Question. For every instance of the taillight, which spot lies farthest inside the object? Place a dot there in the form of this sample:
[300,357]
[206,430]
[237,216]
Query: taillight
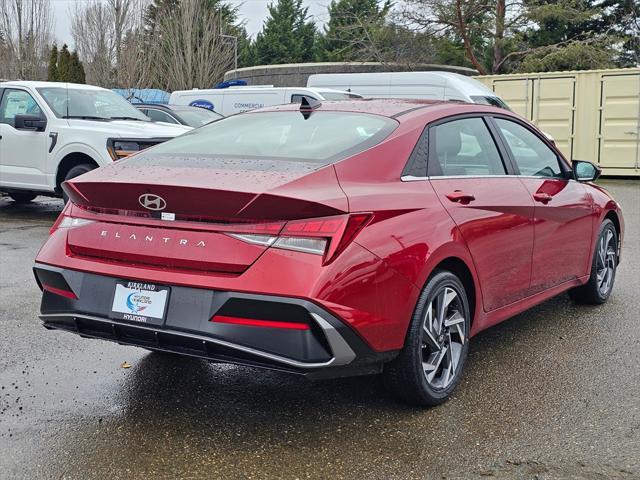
[254,322]
[67,221]
[70,222]
[327,236]
[59,291]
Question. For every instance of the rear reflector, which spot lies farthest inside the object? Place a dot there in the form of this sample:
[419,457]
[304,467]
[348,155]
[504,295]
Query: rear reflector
[252,322]
[59,291]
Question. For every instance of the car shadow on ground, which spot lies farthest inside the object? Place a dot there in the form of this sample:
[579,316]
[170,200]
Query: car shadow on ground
[43,209]
[231,411]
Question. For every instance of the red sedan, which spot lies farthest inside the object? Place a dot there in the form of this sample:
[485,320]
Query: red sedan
[330,240]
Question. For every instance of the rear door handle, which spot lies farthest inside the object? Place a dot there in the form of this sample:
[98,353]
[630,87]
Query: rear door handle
[542,197]
[458,196]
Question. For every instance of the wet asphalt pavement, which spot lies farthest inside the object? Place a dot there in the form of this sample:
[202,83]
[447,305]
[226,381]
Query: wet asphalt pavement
[551,393]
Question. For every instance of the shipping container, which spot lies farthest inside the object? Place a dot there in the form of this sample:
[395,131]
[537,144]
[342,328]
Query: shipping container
[592,114]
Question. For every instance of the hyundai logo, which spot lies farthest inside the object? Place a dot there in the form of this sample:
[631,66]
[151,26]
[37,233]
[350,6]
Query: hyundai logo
[152,202]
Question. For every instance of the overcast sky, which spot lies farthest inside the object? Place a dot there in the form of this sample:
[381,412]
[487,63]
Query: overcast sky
[253,11]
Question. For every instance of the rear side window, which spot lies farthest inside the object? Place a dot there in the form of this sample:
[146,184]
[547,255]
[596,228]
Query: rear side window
[532,156]
[464,148]
[158,116]
[319,137]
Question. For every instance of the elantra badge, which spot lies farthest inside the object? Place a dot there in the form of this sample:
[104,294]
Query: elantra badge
[152,202]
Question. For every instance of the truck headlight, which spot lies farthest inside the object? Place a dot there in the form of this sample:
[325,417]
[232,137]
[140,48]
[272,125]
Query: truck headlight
[123,148]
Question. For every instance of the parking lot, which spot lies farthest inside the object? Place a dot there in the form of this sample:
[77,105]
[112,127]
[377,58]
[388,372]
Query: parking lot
[551,393]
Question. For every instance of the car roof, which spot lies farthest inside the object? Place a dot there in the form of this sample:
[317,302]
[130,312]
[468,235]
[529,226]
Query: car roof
[34,84]
[256,89]
[154,105]
[164,106]
[387,107]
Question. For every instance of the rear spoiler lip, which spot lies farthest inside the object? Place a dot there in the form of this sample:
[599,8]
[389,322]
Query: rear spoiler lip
[74,194]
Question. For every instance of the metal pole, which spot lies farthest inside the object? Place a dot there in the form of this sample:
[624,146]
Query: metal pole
[235,52]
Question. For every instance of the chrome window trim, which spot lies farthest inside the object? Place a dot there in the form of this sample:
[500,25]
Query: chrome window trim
[470,176]
[411,178]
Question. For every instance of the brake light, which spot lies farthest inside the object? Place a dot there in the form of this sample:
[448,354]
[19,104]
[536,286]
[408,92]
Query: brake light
[59,291]
[254,322]
[327,236]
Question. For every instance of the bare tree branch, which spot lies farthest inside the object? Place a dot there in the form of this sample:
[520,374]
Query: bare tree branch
[25,29]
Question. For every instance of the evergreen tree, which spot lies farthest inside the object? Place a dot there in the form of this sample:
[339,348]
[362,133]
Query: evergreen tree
[353,24]
[287,36]
[77,69]
[246,52]
[623,17]
[580,34]
[65,67]
[52,71]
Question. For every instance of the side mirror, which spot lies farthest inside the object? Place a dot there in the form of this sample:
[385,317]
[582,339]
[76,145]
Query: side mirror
[30,122]
[584,171]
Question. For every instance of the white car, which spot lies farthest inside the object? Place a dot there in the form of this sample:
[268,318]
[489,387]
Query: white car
[51,132]
[228,101]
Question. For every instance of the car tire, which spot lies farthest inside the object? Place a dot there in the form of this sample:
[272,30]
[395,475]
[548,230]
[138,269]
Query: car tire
[411,376]
[76,172]
[603,268]
[22,197]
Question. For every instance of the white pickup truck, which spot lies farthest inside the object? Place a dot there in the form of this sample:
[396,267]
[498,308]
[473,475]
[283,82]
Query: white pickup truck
[51,132]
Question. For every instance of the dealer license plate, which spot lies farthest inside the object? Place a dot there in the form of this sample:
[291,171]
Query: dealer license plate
[140,302]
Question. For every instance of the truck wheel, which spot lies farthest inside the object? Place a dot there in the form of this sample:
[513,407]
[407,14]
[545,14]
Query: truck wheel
[76,172]
[22,197]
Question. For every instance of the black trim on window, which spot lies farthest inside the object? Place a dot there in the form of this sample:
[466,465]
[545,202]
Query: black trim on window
[504,149]
[417,164]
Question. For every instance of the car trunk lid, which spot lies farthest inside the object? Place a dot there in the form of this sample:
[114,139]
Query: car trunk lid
[182,216]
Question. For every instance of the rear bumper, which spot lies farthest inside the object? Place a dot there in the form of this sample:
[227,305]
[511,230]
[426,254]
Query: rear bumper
[327,348]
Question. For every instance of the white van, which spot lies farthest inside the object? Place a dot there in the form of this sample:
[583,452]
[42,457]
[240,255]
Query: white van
[228,101]
[425,85]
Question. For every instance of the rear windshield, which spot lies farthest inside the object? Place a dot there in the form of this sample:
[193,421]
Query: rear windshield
[318,137]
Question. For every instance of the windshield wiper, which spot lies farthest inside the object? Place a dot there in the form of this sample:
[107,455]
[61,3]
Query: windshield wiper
[86,117]
[128,118]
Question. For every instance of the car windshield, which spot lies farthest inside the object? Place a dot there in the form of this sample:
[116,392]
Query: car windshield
[339,95]
[316,137]
[91,104]
[197,117]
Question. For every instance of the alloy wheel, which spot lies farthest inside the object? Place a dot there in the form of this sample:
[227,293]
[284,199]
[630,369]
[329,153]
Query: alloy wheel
[443,336]
[606,262]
